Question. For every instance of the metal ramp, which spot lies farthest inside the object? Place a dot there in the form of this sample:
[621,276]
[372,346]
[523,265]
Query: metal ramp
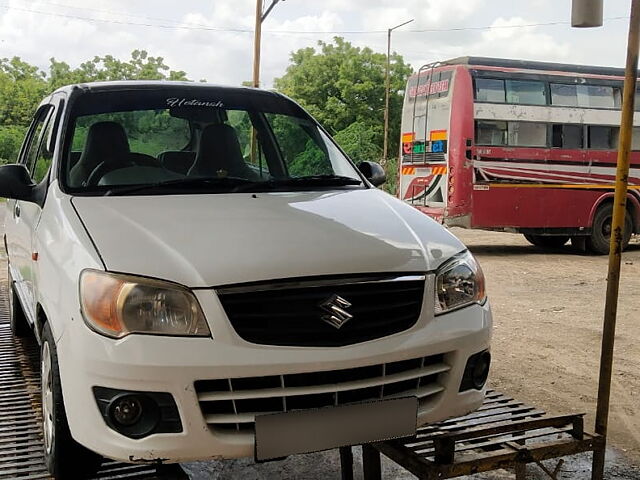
[21,449]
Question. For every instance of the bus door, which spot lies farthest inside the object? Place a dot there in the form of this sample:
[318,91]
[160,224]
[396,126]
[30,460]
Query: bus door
[425,120]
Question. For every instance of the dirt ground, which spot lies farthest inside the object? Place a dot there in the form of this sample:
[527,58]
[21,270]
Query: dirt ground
[548,310]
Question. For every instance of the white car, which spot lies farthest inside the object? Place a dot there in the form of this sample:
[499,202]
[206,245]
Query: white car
[209,276]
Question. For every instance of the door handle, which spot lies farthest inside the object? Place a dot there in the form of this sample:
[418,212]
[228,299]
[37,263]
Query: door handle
[16,210]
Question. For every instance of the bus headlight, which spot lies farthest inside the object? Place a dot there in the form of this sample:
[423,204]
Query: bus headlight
[459,282]
[117,305]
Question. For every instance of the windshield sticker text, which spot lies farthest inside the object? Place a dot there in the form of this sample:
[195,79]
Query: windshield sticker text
[183,102]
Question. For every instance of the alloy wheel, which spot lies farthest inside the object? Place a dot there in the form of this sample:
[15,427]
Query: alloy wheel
[47,397]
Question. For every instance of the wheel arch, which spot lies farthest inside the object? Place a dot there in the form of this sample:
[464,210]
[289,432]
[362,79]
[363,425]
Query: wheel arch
[41,320]
[633,207]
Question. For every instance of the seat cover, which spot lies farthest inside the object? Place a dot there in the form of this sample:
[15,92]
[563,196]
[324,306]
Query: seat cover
[219,154]
[106,142]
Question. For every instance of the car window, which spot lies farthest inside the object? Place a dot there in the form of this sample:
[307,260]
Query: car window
[31,153]
[149,132]
[301,152]
[43,158]
[149,139]
[252,151]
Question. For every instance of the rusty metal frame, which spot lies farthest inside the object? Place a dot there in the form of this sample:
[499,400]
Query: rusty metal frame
[502,434]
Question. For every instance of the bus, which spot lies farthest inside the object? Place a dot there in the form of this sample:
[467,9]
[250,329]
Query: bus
[518,146]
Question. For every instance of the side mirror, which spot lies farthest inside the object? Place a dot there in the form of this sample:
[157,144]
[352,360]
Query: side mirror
[15,182]
[373,172]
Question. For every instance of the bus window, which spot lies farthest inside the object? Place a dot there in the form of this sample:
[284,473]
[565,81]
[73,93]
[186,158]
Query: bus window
[603,138]
[588,96]
[527,134]
[526,92]
[567,136]
[565,95]
[635,139]
[491,133]
[489,90]
[595,96]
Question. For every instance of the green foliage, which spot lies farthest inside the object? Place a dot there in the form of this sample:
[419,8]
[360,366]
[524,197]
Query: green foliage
[342,85]
[361,142]
[301,153]
[10,141]
[140,67]
[23,86]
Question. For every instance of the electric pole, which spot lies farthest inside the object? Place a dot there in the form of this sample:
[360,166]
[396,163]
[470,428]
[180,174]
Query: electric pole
[261,15]
[387,81]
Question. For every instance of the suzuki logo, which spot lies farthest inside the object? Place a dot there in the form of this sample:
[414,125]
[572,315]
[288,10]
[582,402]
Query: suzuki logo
[336,307]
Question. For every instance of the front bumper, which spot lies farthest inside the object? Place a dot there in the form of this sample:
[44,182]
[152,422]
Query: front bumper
[173,365]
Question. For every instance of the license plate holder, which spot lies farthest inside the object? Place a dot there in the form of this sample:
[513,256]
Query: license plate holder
[278,435]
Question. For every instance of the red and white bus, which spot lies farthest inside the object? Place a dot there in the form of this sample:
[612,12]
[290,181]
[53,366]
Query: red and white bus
[526,147]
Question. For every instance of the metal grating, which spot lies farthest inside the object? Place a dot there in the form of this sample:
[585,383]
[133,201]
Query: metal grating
[21,450]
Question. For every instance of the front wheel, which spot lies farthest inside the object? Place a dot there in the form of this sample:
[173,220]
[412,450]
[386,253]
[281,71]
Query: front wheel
[64,457]
[598,241]
[546,241]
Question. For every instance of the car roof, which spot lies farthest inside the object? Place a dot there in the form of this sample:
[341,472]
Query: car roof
[167,85]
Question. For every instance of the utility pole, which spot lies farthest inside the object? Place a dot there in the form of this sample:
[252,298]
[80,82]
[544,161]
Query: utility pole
[617,230]
[261,15]
[385,142]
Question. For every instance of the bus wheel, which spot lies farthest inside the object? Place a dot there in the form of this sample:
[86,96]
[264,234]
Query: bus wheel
[547,241]
[598,241]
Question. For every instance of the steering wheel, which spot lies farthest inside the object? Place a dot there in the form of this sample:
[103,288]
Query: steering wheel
[105,167]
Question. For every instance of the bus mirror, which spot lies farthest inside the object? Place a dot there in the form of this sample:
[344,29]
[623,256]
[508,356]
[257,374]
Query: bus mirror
[373,172]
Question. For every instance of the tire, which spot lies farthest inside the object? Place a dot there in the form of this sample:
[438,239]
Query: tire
[64,457]
[547,241]
[17,319]
[598,241]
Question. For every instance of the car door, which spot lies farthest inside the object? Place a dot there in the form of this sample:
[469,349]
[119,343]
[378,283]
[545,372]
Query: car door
[23,216]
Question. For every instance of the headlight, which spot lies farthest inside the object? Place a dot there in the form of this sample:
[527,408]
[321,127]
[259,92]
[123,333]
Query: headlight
[117,305]
[459,282]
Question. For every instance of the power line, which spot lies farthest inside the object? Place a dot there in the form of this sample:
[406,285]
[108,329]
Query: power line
[274,32]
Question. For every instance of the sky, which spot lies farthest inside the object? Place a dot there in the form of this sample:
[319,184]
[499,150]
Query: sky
[213,39]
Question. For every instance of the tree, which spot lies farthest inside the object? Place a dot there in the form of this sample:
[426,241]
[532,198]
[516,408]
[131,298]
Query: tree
[342,85]
[140,67]
[360,141]
[22,87]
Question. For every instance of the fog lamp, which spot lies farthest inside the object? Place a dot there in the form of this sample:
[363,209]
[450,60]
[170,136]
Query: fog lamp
[476,371]
[480,371]
[126,410]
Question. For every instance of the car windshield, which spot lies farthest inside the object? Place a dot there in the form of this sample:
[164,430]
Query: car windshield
[198,140]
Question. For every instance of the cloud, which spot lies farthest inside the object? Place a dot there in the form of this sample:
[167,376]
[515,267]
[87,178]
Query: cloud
[226,56]
[507,38]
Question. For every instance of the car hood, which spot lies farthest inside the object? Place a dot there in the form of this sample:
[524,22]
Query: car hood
[222,239]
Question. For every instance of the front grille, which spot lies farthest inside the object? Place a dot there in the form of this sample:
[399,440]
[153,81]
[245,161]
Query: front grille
[232,404]
[291,314]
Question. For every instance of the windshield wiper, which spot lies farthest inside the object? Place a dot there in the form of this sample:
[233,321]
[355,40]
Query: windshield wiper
[308,180]
[236,184]
[228,183]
